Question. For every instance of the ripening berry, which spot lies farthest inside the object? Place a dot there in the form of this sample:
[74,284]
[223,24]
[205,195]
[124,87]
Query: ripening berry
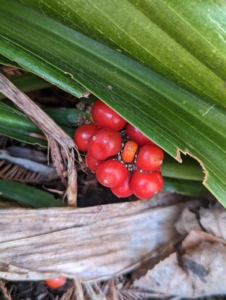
[92,163]
[129,151]
[104,143]
[145,185]
[149,157]
[103,116]
[83,134]
[135,135]
[123,190]
[111,173]
[55,283]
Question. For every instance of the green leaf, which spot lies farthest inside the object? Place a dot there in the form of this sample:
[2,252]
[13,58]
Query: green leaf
[7,62]
[66,116]
[184,187]
[27,195]
[183,41]
[39,67]
[188,170]
[171,116]
[16,125]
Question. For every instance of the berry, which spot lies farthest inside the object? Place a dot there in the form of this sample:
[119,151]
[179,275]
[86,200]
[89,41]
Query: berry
[123,190]
[83,134]
[135,135]
[149,157]
[104,116]
[55,283]
[129,151]
[111,173]
[104,143]
[92,163]
[145,185]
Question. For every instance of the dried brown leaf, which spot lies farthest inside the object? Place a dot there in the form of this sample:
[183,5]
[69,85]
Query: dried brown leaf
[213,219]
[197,273]
[89,243]
[56,137]
[187,221]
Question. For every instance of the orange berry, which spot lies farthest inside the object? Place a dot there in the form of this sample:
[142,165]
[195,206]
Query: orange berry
[129,151]
[55,283]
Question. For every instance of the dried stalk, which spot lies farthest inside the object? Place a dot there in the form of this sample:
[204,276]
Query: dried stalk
[58,140]
[6,295]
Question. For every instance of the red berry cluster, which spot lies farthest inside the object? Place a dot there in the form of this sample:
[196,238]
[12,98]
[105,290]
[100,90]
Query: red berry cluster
[123,158]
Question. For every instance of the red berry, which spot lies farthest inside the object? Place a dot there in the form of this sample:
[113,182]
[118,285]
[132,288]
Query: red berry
[55,283]
[129,151]
[104,143]
[159,169]
[92,163]
[123,190]
[111,173]
[104,116]
[145,185]
[149,157]
[83,134]
[135,135]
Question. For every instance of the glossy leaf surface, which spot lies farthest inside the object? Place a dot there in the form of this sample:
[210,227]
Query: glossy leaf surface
[182,40]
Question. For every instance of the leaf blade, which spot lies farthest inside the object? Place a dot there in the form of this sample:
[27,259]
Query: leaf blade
[27,195]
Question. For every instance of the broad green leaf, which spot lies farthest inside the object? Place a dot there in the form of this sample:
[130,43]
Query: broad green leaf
[173,117]
[49,73]
[27,195]
[28,82]
[182,40]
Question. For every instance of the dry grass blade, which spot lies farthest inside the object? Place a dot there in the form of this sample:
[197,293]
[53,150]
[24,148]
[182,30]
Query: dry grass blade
[57,138]
[114,295]
[4,293]
[69,295]
[92,294]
